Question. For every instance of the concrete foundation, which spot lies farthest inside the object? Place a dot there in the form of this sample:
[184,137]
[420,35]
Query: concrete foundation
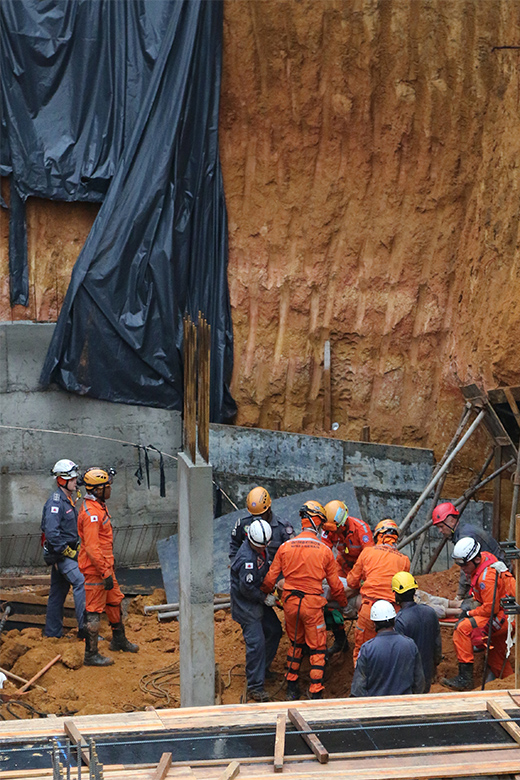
[197,642]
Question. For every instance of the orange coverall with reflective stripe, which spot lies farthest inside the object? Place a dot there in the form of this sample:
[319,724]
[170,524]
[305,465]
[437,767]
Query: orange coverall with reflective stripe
[96,558]
[372,575]
[482,589]
[304,562]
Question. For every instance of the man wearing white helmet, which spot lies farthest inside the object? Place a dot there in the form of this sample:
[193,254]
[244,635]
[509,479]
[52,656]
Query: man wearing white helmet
[252,609]
[490,581]
[389,664]
[60,541]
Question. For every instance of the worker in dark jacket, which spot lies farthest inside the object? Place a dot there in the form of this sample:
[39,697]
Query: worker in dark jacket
[389,664]
[251,607]
[420,623]
[259,508]
[446,518]
[60,541]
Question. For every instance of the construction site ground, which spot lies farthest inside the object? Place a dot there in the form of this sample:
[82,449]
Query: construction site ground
[151,677]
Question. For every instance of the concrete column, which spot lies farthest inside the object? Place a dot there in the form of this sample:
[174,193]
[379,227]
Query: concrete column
[197,638]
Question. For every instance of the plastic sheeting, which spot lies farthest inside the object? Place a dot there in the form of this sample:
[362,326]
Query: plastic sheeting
[122,98]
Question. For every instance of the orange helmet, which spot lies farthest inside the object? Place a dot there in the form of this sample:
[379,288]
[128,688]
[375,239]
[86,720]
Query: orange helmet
[313,515]
[386,527]
[443,511]
[337,512]
[258,501]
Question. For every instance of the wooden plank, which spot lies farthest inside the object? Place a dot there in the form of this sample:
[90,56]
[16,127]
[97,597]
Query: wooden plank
[163,767]
[231,771]
[512,403]
[22,680]
[499,712]
[77,738]
[310,739]
[515,699]
[279,742]
[22,582]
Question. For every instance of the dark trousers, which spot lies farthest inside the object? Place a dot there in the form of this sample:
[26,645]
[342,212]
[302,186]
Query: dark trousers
[64,574]
[262,638]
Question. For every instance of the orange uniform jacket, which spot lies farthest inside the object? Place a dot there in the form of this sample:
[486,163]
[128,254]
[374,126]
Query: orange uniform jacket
[374,569]
[357,535]
[96,555]
[483,586]
[305,561]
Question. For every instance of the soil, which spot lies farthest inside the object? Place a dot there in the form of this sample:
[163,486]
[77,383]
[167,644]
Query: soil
[128,685]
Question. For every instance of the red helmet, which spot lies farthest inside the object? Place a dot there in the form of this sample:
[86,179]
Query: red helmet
[442,511]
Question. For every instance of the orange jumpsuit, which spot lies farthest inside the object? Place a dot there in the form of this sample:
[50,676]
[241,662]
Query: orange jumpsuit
[473,630]
[373,571]
[349,540]
[96,558]
[305,561]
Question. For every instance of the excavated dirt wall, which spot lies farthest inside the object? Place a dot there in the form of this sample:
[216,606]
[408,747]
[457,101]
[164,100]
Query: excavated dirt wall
[370,153]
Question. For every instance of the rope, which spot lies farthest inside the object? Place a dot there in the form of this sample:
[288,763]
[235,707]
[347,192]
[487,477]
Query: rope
[154,682]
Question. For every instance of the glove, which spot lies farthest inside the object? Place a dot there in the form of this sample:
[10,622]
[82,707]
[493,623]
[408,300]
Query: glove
[68,552]
[463,615]
[499,566]
[270,600]
[108,582]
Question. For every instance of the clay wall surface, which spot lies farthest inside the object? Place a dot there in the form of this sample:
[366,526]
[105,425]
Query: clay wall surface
[370,154]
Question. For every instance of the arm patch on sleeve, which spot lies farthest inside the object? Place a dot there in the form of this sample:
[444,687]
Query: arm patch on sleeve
[55,510]
[93,518]
[248,565]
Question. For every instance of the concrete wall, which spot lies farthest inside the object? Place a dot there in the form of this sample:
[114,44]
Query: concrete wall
[26,457]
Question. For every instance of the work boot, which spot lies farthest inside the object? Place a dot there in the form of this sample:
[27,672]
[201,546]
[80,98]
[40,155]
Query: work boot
[82,633]
[92,656]
[270,675]
[463,681]
[340,642]
[119,640]
[315,694]
[257,694]
[293,690]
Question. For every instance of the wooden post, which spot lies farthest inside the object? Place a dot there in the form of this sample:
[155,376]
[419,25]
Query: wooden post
[497,495]
[77,739]
[163,767]
[517,599]
[307,735]
[279,742]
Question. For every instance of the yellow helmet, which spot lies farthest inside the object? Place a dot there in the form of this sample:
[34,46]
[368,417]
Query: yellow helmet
[258,501]
[337,512]
[96,477]
[403,581]
[386,527]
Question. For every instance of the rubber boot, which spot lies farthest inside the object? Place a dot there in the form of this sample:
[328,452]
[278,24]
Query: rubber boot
[92,656]
[257,694]
[315,694]
[119,640]
[463,681]
[293,690]
[340,642]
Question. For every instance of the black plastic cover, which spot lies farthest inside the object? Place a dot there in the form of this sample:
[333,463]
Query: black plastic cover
[119,100]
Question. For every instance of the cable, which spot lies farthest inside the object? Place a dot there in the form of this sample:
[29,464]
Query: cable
[149,683]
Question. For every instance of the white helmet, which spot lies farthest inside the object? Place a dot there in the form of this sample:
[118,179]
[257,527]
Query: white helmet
[260,533]
[65,468]
[382,610]
[465,550]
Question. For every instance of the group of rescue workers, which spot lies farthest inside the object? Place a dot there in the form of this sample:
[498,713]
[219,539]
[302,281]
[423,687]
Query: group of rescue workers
[336,568]
[78,545]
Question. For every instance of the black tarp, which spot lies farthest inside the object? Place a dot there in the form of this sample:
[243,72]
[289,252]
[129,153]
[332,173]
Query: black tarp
[117,100]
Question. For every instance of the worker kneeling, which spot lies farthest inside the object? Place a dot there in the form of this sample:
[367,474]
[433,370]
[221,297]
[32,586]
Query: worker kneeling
[252,609]
[390,663]
[96,562]
[305,562]
[490,581]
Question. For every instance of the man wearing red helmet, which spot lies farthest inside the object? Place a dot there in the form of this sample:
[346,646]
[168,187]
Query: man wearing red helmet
[446,518]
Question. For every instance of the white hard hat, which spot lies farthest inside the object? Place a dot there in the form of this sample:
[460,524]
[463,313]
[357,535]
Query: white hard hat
[382,610]
[465,550]
[260,532]
[65,468]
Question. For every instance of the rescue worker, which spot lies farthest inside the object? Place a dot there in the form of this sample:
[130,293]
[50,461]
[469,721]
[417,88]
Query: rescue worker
[372,576]
[389,664]
[252,609]
[96,561]
[259,507]
[490,581]
[446,518]
[419,622]
[348,535]
[60,549]
[305,561]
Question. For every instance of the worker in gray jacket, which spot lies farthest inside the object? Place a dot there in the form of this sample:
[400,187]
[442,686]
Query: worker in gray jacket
[419,622]
[389,664]
[253,609]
